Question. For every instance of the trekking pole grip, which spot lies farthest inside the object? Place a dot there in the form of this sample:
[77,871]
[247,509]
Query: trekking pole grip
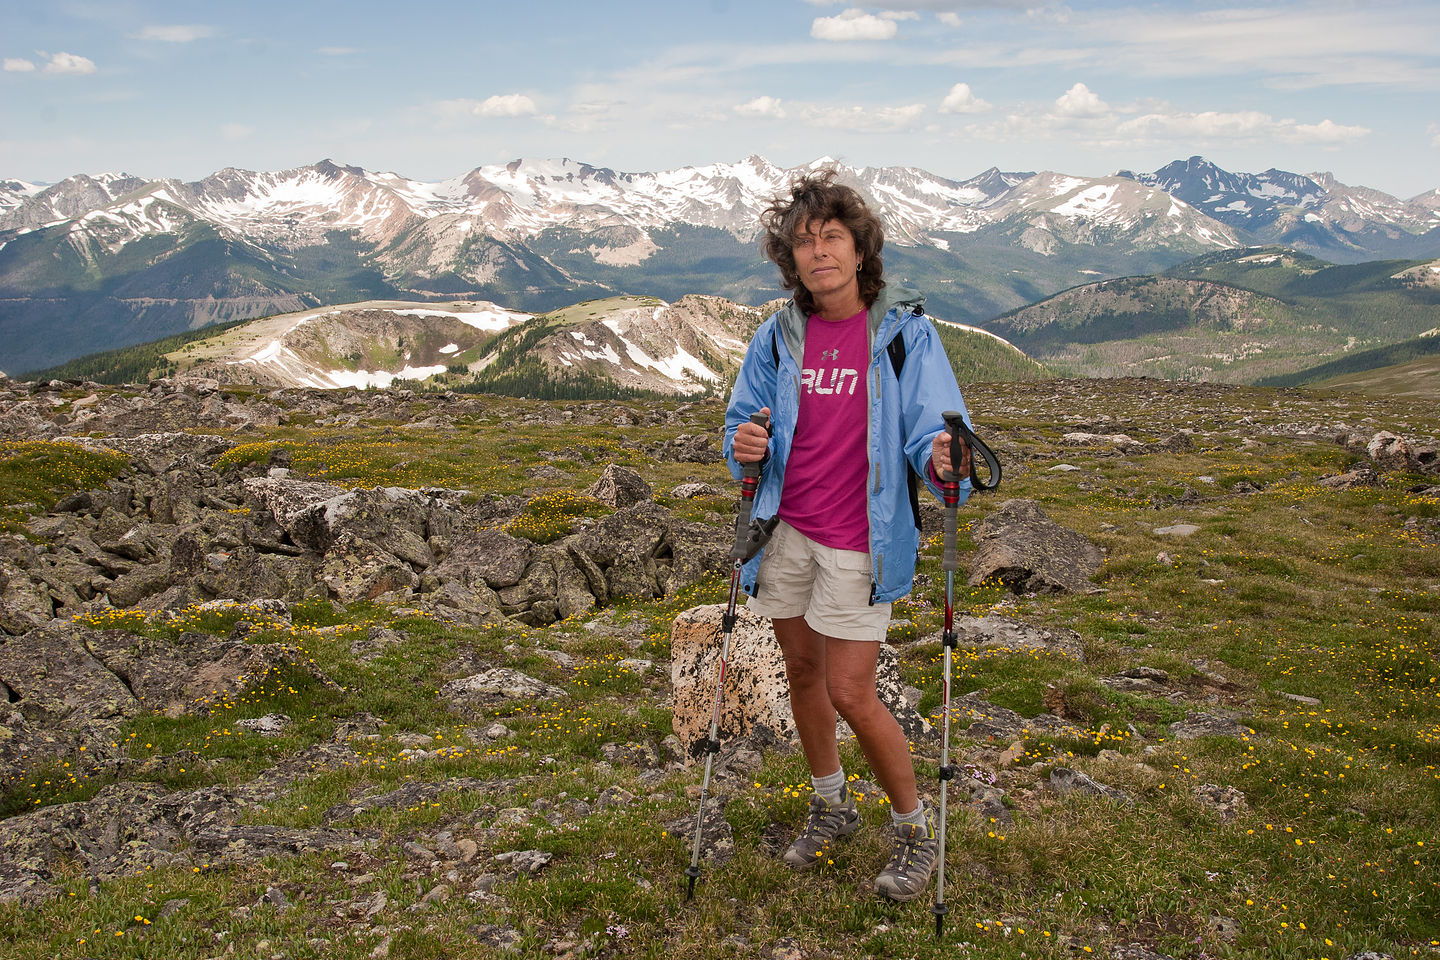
[950,487]
[752,470]
[749,482]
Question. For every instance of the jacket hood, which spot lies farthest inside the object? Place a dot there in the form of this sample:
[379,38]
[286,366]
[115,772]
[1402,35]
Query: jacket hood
[791,319]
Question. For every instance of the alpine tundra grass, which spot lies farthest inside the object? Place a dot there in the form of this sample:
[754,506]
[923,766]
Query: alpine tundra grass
[1308,613]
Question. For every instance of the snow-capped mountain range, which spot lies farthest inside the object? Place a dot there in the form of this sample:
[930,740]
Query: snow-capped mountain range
[1276,205]
[99,261]
[524,198]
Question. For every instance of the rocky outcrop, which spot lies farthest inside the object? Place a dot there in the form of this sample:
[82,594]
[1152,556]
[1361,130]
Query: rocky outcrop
[1389,452]
[173,530]
[1030,553]
[1394,453]
[68,688]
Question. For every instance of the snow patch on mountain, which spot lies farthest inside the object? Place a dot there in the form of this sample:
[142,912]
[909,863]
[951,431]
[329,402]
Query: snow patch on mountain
[491,317]
[380,379]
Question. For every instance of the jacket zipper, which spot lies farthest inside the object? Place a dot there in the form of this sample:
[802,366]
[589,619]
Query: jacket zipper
[877,560]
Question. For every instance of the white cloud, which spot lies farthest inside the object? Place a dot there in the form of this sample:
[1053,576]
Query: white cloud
[1211,125]
[949,18]
[1079,101]
[851,25]
[762,107]
[176,32]
[961,99]
[235,131]
[18,65]
[1327,131]
[865,119]
[69,63]
[506,105]
[500,105]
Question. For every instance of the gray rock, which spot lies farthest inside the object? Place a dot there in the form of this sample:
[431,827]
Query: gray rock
[698,448]
[1119,441]
[1227,802]
[1207,725]
[356,569]
[1351,480]
[989,721]
[1177,530]
[497,686]
[686,491]
[526,862]
[270,725]
[620,487]
[1007,633]
[414,794]
[72,685]
[1225,928]
[1065,781]
[645,552]
[487,558]
[1030,553]
[1136,951]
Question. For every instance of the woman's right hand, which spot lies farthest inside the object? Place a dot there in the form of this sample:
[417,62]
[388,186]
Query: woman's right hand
[751,440]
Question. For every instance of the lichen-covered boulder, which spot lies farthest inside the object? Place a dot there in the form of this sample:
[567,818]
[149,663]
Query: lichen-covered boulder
[756,692]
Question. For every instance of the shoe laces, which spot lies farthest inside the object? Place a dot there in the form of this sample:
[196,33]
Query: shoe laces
[821,815]
[907,844]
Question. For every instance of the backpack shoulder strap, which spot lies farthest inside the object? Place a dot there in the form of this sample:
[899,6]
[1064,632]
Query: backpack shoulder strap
[897,353]
[896,349]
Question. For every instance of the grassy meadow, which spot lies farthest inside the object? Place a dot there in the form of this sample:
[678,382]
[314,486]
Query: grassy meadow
[1307,613]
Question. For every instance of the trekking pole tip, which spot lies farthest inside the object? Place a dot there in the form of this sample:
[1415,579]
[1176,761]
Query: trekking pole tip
[940,909]
[691,875]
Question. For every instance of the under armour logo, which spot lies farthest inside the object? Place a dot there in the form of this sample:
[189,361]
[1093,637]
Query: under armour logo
[830,355]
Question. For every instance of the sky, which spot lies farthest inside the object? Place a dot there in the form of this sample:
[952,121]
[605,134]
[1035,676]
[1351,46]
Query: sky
[431,90]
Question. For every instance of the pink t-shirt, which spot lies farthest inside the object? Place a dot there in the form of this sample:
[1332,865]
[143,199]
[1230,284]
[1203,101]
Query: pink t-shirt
[825,476]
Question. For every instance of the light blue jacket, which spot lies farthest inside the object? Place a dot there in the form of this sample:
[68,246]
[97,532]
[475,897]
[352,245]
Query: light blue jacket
[904,418]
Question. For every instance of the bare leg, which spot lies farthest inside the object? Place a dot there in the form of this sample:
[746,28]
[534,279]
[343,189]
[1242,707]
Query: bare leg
[850,673]
[829,676]
[805,662]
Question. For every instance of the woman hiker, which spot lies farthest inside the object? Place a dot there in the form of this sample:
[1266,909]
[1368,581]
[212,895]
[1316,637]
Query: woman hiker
[848,421]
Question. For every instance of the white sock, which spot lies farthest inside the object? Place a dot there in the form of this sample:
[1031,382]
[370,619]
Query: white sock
[915,817]
[831,788]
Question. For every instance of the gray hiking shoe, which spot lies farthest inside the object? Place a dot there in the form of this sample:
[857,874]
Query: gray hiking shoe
[912,861]
[826,823]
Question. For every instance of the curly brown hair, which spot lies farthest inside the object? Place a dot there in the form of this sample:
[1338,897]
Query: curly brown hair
[818,197]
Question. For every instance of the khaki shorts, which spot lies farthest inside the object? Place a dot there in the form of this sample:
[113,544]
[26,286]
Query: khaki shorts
[830,588]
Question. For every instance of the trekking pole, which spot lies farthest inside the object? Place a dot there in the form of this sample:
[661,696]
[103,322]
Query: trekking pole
[950,490]
[748,542]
